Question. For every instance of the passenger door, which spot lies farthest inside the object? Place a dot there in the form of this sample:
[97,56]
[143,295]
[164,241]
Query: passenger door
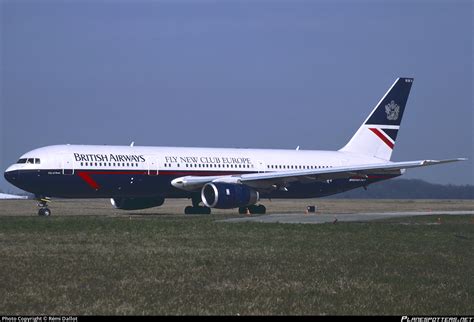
[67,164]
[153,166]
[261,166]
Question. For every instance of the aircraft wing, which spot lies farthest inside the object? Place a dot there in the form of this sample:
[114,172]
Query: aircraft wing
[275,179]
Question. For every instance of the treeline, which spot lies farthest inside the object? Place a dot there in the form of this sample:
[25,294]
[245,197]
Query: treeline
[409,189]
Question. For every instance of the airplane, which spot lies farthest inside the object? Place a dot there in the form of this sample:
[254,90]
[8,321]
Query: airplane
[137,177]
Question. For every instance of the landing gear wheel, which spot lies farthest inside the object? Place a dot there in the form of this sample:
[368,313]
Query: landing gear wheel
[261,209]
[43,206]
[44,212]
[197,210]
[243,210]
[254,209]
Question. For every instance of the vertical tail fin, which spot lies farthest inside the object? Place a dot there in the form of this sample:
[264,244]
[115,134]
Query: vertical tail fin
[376,136]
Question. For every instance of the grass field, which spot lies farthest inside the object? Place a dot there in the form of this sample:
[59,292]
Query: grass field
[176,264]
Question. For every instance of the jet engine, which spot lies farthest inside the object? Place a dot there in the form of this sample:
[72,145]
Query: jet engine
[228,195]
[136,203]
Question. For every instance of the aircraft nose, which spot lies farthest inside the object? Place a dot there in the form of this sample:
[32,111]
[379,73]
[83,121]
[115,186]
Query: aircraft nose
[11,175]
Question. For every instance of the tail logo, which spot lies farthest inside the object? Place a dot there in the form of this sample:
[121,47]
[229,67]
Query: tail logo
[392,110]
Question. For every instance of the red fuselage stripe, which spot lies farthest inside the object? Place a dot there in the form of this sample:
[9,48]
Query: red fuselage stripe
[85,176]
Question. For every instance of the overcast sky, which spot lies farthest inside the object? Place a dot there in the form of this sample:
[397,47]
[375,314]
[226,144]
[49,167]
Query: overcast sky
[259,74]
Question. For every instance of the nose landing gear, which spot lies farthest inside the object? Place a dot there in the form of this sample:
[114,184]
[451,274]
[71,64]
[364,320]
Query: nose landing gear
[43,204]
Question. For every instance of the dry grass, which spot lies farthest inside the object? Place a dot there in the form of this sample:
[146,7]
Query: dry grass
[176,264]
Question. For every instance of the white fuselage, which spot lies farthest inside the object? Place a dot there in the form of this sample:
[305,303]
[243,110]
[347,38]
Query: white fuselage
[109,171]
[97,157]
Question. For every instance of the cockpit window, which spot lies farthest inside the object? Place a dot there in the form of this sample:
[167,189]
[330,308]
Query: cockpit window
[30,161]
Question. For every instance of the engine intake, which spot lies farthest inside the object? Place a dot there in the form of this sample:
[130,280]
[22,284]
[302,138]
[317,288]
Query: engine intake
[136,203]
[227,195]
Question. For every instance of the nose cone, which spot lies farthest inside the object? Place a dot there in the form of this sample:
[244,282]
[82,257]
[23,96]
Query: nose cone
[11,175]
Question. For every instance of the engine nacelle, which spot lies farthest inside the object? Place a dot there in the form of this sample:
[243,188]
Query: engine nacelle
[228,195]
[136,203]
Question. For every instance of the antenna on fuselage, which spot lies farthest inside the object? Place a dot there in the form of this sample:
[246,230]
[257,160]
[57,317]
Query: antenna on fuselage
[298,148]
[133,143]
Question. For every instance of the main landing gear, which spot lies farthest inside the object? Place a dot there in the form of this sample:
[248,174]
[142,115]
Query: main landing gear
[43,204]
[195,209]
[253,209]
